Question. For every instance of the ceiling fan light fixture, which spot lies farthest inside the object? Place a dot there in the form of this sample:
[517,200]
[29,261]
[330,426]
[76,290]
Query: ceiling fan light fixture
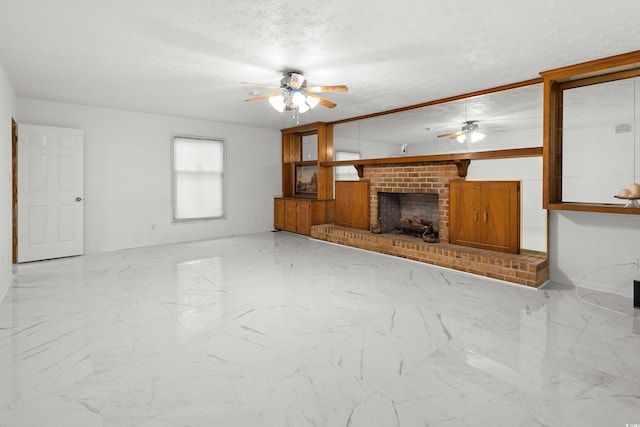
[303,108]
[277,102]
[298,98]
[312,101]
[477,136]
[295,95]
[473,136]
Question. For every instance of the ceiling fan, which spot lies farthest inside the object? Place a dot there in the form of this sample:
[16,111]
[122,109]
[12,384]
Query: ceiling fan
[294,94]
[468,133]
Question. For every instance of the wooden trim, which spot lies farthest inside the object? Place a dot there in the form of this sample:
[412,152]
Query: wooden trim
[604,78]
[590,68]
[14,190]
[325,152]
[307,129]
[552,144]
[291,153]
[443,100]
[555,81]
[593,207]
[477,155]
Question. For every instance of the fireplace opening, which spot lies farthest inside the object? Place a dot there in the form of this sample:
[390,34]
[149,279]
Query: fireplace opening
[410,213]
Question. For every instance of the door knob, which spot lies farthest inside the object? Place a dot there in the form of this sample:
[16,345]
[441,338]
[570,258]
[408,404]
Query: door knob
[78,199]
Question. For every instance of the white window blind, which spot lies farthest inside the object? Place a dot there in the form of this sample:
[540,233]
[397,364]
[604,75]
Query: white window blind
[198,178]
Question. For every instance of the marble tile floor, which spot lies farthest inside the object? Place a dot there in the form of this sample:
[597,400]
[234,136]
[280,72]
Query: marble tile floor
[276,329]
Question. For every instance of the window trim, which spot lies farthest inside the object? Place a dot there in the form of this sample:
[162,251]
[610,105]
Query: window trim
[223,141]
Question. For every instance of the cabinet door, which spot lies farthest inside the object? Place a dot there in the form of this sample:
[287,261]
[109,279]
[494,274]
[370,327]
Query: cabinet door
[463,213]
[290,215]
[485,214]
[360,205]
[343,201]
[500,227]
[352,204]
[303,217]
[278,214]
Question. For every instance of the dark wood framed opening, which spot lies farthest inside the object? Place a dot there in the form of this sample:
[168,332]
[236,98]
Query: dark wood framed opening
[555,82]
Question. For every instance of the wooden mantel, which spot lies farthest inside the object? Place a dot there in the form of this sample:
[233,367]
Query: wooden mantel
[461,160]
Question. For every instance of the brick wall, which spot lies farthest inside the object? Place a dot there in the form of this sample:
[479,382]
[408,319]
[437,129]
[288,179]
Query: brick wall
[432,178]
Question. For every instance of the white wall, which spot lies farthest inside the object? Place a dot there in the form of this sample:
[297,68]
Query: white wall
[597,162]
[591,250]
[7,108]
[367,149]
[128,180]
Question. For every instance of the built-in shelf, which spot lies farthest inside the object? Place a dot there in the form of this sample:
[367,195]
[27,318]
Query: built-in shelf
[460,159]
[593,207]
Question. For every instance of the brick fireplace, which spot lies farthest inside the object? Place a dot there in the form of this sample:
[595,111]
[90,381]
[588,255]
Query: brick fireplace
[413,178]
[430,178]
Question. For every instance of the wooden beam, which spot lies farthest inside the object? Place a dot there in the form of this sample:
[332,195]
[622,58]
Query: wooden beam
[591,68]
[443,100]
[477,155]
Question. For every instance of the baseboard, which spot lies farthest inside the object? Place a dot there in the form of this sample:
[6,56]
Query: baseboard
[5,285]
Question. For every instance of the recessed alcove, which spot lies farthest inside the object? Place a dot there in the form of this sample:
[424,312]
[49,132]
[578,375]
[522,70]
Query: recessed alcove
[393,207]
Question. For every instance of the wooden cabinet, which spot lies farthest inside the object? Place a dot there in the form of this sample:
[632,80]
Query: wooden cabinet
[298,215]
[485,214]
[352,204]
[290,215]
[278,214]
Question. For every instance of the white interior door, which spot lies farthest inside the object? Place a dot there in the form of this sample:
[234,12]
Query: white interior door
[50,192]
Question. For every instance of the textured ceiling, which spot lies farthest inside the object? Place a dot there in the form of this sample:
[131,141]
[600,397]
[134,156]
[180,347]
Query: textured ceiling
[187,57]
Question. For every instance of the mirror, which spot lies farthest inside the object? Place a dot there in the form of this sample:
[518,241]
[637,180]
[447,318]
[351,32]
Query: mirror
[309,147]
[599,143]
[508,119]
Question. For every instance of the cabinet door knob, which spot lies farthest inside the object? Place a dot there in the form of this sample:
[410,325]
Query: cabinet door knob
[475,216]
[486,217]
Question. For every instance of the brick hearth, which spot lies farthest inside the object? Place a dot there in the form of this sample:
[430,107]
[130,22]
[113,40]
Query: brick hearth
[519,269]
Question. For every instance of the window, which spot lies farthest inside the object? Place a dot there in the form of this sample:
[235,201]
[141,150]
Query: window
[198,178]
[346,173]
